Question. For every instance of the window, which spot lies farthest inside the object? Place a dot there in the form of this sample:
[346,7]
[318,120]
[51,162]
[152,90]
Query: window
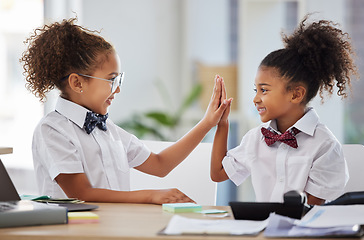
[354,109]
[20,111]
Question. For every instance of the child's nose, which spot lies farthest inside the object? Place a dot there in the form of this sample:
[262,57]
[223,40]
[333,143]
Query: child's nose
[256,99]
[117,90]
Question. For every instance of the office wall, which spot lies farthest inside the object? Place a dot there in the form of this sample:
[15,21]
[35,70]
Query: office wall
[159,40]
[147,37]
[332,111]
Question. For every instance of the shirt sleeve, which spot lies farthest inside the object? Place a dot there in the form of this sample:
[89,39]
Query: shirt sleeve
[137,152]
[329,173]
[235,162]
[56,151]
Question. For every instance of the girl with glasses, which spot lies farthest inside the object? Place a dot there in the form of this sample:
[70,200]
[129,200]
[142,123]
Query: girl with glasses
[79,152]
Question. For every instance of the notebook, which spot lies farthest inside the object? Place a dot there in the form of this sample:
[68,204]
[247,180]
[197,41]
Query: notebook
[8,192]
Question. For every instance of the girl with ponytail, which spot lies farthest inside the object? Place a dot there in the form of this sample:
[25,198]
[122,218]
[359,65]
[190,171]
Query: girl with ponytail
[292,150]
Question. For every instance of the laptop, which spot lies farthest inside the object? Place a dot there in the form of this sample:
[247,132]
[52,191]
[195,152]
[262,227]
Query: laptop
[9,193]
[7,188]
[15,212]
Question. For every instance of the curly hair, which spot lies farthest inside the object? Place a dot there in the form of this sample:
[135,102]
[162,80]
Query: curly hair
[58,49]
[318,55]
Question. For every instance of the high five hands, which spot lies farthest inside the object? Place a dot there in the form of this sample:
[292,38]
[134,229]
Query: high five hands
[219,106]
[217,111]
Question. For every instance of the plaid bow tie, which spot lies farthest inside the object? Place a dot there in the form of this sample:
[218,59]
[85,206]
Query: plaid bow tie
[288,137]
[92,120]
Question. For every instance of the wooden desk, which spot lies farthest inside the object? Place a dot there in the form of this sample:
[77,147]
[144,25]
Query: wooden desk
[117,221]
[6,150]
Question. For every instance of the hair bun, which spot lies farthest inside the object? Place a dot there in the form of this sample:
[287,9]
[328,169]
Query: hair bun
[317,54]
[58,49]
[317,43]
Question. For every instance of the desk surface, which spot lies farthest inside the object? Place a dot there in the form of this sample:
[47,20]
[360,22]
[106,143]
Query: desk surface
[6,150]
[117,221]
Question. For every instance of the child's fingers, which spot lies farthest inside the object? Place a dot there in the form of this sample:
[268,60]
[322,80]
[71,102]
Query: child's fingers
[217,87]
[216,95]
[227,109]
[226,113]
[223,90]
[214,89]
[185,199]
[225,106]
[178,196]
[223,99]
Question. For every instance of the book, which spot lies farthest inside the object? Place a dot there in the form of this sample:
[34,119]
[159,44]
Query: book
[28,213]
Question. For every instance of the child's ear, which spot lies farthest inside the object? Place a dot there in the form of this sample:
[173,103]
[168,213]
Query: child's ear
[298,94]
[75,82]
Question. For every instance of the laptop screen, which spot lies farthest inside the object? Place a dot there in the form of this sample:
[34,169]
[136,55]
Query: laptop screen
[7,188]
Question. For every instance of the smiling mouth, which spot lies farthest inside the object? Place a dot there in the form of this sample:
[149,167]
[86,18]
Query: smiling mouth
[261,110]
[109,100]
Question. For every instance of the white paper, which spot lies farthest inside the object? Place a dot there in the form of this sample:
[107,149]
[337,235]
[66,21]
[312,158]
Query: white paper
[333,216]
[181,225]
[280,226]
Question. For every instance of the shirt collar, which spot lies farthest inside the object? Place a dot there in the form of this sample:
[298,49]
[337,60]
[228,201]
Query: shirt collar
[306,124]
[74,112]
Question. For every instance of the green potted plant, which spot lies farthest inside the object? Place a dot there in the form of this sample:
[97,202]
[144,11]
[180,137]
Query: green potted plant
[157,123]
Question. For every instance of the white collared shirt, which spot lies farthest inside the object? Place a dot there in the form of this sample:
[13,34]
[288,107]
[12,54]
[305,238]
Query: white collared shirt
[61,145]
[317,166]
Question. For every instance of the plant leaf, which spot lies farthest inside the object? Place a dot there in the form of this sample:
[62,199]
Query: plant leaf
[190,99]
[140,129]
[162,118]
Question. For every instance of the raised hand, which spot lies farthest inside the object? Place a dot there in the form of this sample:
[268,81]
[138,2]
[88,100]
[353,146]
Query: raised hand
[224,118]
[218,103]
[162,163]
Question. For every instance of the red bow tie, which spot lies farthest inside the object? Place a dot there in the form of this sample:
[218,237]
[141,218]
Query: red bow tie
[288,137]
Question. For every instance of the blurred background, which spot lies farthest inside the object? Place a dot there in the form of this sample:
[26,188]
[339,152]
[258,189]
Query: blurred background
[170,51]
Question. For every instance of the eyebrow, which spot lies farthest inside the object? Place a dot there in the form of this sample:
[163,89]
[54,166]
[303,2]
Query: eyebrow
[113,74]
[262,84]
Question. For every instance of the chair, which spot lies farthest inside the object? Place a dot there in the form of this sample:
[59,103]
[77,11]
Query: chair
[354,155]
[192,176]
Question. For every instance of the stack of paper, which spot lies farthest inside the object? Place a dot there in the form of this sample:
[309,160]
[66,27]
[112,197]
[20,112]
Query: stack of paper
[181,225]
[344,220]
